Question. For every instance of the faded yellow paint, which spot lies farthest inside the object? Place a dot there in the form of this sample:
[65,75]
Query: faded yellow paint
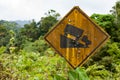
[77,56]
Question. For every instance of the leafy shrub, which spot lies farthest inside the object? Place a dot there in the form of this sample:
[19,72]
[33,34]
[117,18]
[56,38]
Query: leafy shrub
[31,66]
[98,72]
[77,74]
[37,46]
[2,49]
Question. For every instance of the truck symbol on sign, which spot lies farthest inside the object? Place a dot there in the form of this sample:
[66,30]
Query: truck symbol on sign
[68,42]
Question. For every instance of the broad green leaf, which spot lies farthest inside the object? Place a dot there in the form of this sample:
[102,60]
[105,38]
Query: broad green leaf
[73,75]
[82,74]
[57,77]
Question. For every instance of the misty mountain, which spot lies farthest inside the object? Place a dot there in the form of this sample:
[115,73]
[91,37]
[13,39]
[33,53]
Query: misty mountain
[22,23]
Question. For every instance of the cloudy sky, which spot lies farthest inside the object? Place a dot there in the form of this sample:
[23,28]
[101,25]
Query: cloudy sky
[35,9]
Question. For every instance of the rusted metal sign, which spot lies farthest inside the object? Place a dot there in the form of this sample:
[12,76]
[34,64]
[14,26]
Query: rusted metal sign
[76,37]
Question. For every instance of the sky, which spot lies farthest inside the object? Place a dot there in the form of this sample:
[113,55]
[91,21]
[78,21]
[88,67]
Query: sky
[35,9]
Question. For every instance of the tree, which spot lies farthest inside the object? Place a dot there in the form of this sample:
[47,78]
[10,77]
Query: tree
[107,21]
[30,31]
[116,12]
[5,27]
[4,36]
[47,22]
[10,25]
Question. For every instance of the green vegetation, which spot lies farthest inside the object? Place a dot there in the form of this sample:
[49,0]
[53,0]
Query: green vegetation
[31,66]
[24,55]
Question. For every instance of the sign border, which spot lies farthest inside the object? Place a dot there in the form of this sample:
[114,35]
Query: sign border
[95,25]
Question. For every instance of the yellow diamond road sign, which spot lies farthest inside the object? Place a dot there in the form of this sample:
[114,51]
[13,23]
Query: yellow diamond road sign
[76,37]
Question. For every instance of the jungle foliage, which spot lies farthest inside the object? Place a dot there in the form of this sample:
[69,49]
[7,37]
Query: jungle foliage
[24,55]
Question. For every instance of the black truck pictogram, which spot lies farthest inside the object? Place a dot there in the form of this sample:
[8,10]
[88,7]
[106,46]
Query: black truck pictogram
[66,42]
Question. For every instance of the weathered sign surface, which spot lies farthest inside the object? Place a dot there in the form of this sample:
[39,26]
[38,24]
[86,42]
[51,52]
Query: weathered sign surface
[76,37]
